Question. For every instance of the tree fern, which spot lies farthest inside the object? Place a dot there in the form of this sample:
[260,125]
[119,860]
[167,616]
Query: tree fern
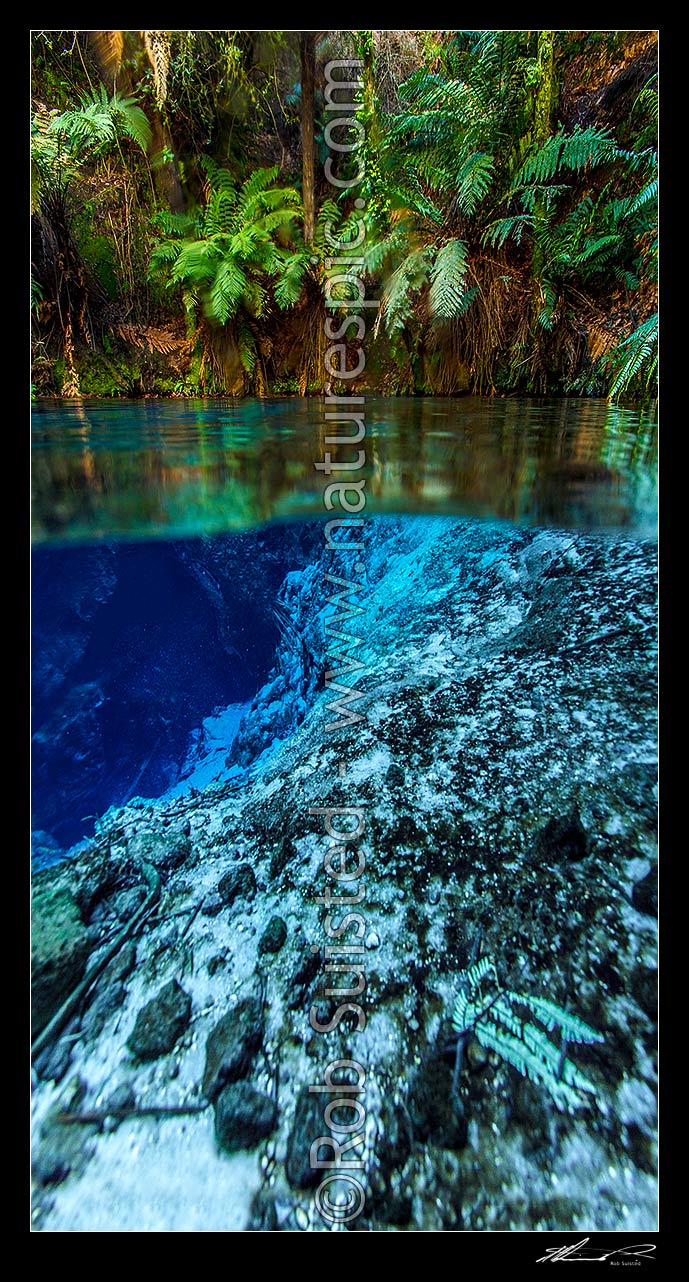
[492,1014]
[229,257]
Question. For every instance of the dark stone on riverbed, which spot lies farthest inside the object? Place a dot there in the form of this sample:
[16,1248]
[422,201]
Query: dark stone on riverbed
[431,1105]
[108,999]
[305,971]
[645,894]
[645,990]
[263,1216]
[243,1117]
[53,1062]
[273,937]
[165,848]
[161,1022]
[307,1126]
[238,882]
[232,1046]
[563,838]
[59,1149]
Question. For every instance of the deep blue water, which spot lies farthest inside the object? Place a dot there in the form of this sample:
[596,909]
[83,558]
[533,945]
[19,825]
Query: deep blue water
[133,645]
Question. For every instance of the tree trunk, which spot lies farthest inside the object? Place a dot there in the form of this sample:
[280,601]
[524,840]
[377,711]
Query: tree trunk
[543,112]
[307,51]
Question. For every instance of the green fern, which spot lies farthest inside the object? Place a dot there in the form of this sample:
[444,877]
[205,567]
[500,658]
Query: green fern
[574,153]
[236,255]
[62,144]
[99,120]
[492,1014]
[448,296]
[634,359]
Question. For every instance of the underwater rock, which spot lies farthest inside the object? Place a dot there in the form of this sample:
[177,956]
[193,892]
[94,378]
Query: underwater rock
[212,905]
[645,894]
[108,999]
[232,1045]
[563,837]
[395,776]
[122,1097]
[284,853]
[60,947]
[273,937]
[160,1023]
[243,1117]
[236,883]
[128,901]
[645,990]
[431,1105]
[53,1062]
[263,1216]
[387,1201]
[307,967]
[62,1149]
[122,963]
[165,848]
[637,785]
[307,1126]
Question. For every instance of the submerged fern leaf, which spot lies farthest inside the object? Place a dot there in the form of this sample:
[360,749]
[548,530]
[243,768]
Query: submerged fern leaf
[551,1015]
[494,1019]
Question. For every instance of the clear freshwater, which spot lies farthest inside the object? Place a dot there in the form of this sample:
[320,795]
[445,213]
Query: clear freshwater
[177,468]
[190,629]
[164,529]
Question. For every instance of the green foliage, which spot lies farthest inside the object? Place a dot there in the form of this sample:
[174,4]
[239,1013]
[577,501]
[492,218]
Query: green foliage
[442,158]
[498,233]
[448,295]
[634,360]
[492,1014]
[239,251]
[63,143]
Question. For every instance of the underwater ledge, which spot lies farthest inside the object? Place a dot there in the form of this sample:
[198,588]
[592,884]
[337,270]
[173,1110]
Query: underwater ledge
[505,764]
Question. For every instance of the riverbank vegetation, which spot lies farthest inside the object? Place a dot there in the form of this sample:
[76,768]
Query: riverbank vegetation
[179,206]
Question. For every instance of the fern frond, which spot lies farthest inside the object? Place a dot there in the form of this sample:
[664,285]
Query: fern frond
[634,356]
[473,181]
[495,1021]
[554,1016]
[583,149]
[448,275]
[496,233]
[289,281]
[256,184]
[411,274]
[227,290]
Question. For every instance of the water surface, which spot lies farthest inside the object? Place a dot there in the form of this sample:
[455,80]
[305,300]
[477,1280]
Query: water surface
[177,468]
